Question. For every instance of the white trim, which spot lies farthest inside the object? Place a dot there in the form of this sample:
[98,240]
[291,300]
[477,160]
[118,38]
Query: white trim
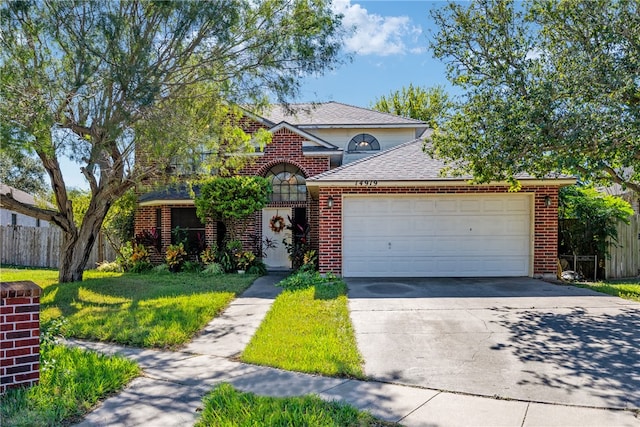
[304,134]
[365,125]
[180,202]
[434,183]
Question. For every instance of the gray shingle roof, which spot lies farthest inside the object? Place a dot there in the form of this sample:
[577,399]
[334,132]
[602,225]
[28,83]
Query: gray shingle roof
[174,192]
[334,114]
[405,162]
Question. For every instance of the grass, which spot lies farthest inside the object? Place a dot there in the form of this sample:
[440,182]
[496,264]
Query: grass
[623,288]
[71,383]
[226,407]
[308,330]
[160,310]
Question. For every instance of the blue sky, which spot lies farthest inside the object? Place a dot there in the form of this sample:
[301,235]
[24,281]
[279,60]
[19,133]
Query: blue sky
[389,49]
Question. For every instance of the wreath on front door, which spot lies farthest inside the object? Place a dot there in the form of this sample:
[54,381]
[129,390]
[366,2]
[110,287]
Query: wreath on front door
[276,224]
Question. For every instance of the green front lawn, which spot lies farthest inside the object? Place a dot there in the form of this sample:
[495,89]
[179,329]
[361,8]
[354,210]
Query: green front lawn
[161,310]
[72,381]
[225,406]
[308,329]
[623,288]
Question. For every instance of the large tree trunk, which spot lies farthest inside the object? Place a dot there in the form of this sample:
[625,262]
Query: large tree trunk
[77,244]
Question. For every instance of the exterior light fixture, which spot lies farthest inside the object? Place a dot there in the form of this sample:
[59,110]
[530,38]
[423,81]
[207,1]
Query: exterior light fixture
[547,201]
[330,202]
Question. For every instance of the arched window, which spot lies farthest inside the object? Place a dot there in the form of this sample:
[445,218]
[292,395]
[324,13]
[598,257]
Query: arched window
[288,183]
[363,142]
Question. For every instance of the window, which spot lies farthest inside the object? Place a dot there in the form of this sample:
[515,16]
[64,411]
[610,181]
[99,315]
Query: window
[288,183]
[363,142]
[186,226]
[37,222]
[14,219]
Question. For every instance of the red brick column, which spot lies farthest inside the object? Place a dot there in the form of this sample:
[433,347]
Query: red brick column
[19,334]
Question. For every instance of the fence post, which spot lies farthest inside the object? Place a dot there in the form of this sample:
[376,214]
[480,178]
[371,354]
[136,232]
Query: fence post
[19,334]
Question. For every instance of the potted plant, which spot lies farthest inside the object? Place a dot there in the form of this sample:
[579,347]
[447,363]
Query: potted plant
[175,257]
[244,259]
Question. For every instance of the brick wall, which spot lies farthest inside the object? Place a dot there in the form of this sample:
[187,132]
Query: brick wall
[286,147]
[146,217]
[19,334]
[545,233]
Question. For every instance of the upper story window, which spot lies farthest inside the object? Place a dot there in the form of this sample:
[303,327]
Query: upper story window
[363,142]
[288,183]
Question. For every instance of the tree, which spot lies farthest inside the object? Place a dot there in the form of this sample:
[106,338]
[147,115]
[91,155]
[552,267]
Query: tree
[107,83]
[21,171]
[594,219]
[232,199]
[549,86]
[426,104]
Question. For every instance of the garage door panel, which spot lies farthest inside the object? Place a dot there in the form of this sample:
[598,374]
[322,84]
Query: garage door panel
[457,236]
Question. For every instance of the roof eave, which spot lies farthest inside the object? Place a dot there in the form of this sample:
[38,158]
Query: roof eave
[557,182]
[364,125]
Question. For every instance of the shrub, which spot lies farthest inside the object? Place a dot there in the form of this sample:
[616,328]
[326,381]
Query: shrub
[175,256]
[162,268]
[303,279]
[210,254]
[258,268]
[110,267]
[245,259]
[192,267]
[213,269]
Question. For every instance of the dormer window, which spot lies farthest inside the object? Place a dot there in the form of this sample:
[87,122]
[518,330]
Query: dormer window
[363,142]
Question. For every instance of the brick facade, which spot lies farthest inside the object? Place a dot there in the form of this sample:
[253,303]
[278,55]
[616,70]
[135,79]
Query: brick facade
[545,233]
[286,147]
[19,334]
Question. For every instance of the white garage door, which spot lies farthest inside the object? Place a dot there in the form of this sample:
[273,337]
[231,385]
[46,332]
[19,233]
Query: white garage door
[436,236]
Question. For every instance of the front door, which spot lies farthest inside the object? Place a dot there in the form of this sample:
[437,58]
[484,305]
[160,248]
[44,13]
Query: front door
[276,257]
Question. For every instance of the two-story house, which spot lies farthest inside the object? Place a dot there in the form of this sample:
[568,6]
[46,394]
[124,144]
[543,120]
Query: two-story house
[376,204]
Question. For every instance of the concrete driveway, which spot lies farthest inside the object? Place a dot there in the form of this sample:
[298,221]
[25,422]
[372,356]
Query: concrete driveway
[514,338]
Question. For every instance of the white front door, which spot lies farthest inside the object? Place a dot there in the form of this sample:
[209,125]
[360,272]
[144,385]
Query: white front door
[276,257]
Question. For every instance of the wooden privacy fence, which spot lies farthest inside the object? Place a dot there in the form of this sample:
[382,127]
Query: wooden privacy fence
[625,254]
[40,247]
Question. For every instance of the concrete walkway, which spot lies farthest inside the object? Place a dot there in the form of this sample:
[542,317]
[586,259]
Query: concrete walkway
[170,391]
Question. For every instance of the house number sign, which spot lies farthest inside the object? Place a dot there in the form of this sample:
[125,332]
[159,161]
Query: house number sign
[367,183]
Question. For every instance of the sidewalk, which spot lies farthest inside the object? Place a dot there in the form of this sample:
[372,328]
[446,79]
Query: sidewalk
[171,389]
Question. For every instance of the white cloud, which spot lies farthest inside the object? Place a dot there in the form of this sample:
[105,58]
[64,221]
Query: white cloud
[373,34]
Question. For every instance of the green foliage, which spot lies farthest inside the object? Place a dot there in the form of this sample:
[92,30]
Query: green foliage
[90,81]
[120,220]
[258,269]
[145,310]
[213,269]
[426,104]
[191,267]
[112,267]
[22,171]
[308,329]
[623,288]
[244,259]
[175,256]
[210,254]
[306,278]
[548,86]
[232,198]
[595,218]
[225,406]
[68,388]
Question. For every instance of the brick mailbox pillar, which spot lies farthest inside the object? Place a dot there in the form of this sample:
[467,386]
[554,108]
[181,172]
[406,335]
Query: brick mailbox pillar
[19,334]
